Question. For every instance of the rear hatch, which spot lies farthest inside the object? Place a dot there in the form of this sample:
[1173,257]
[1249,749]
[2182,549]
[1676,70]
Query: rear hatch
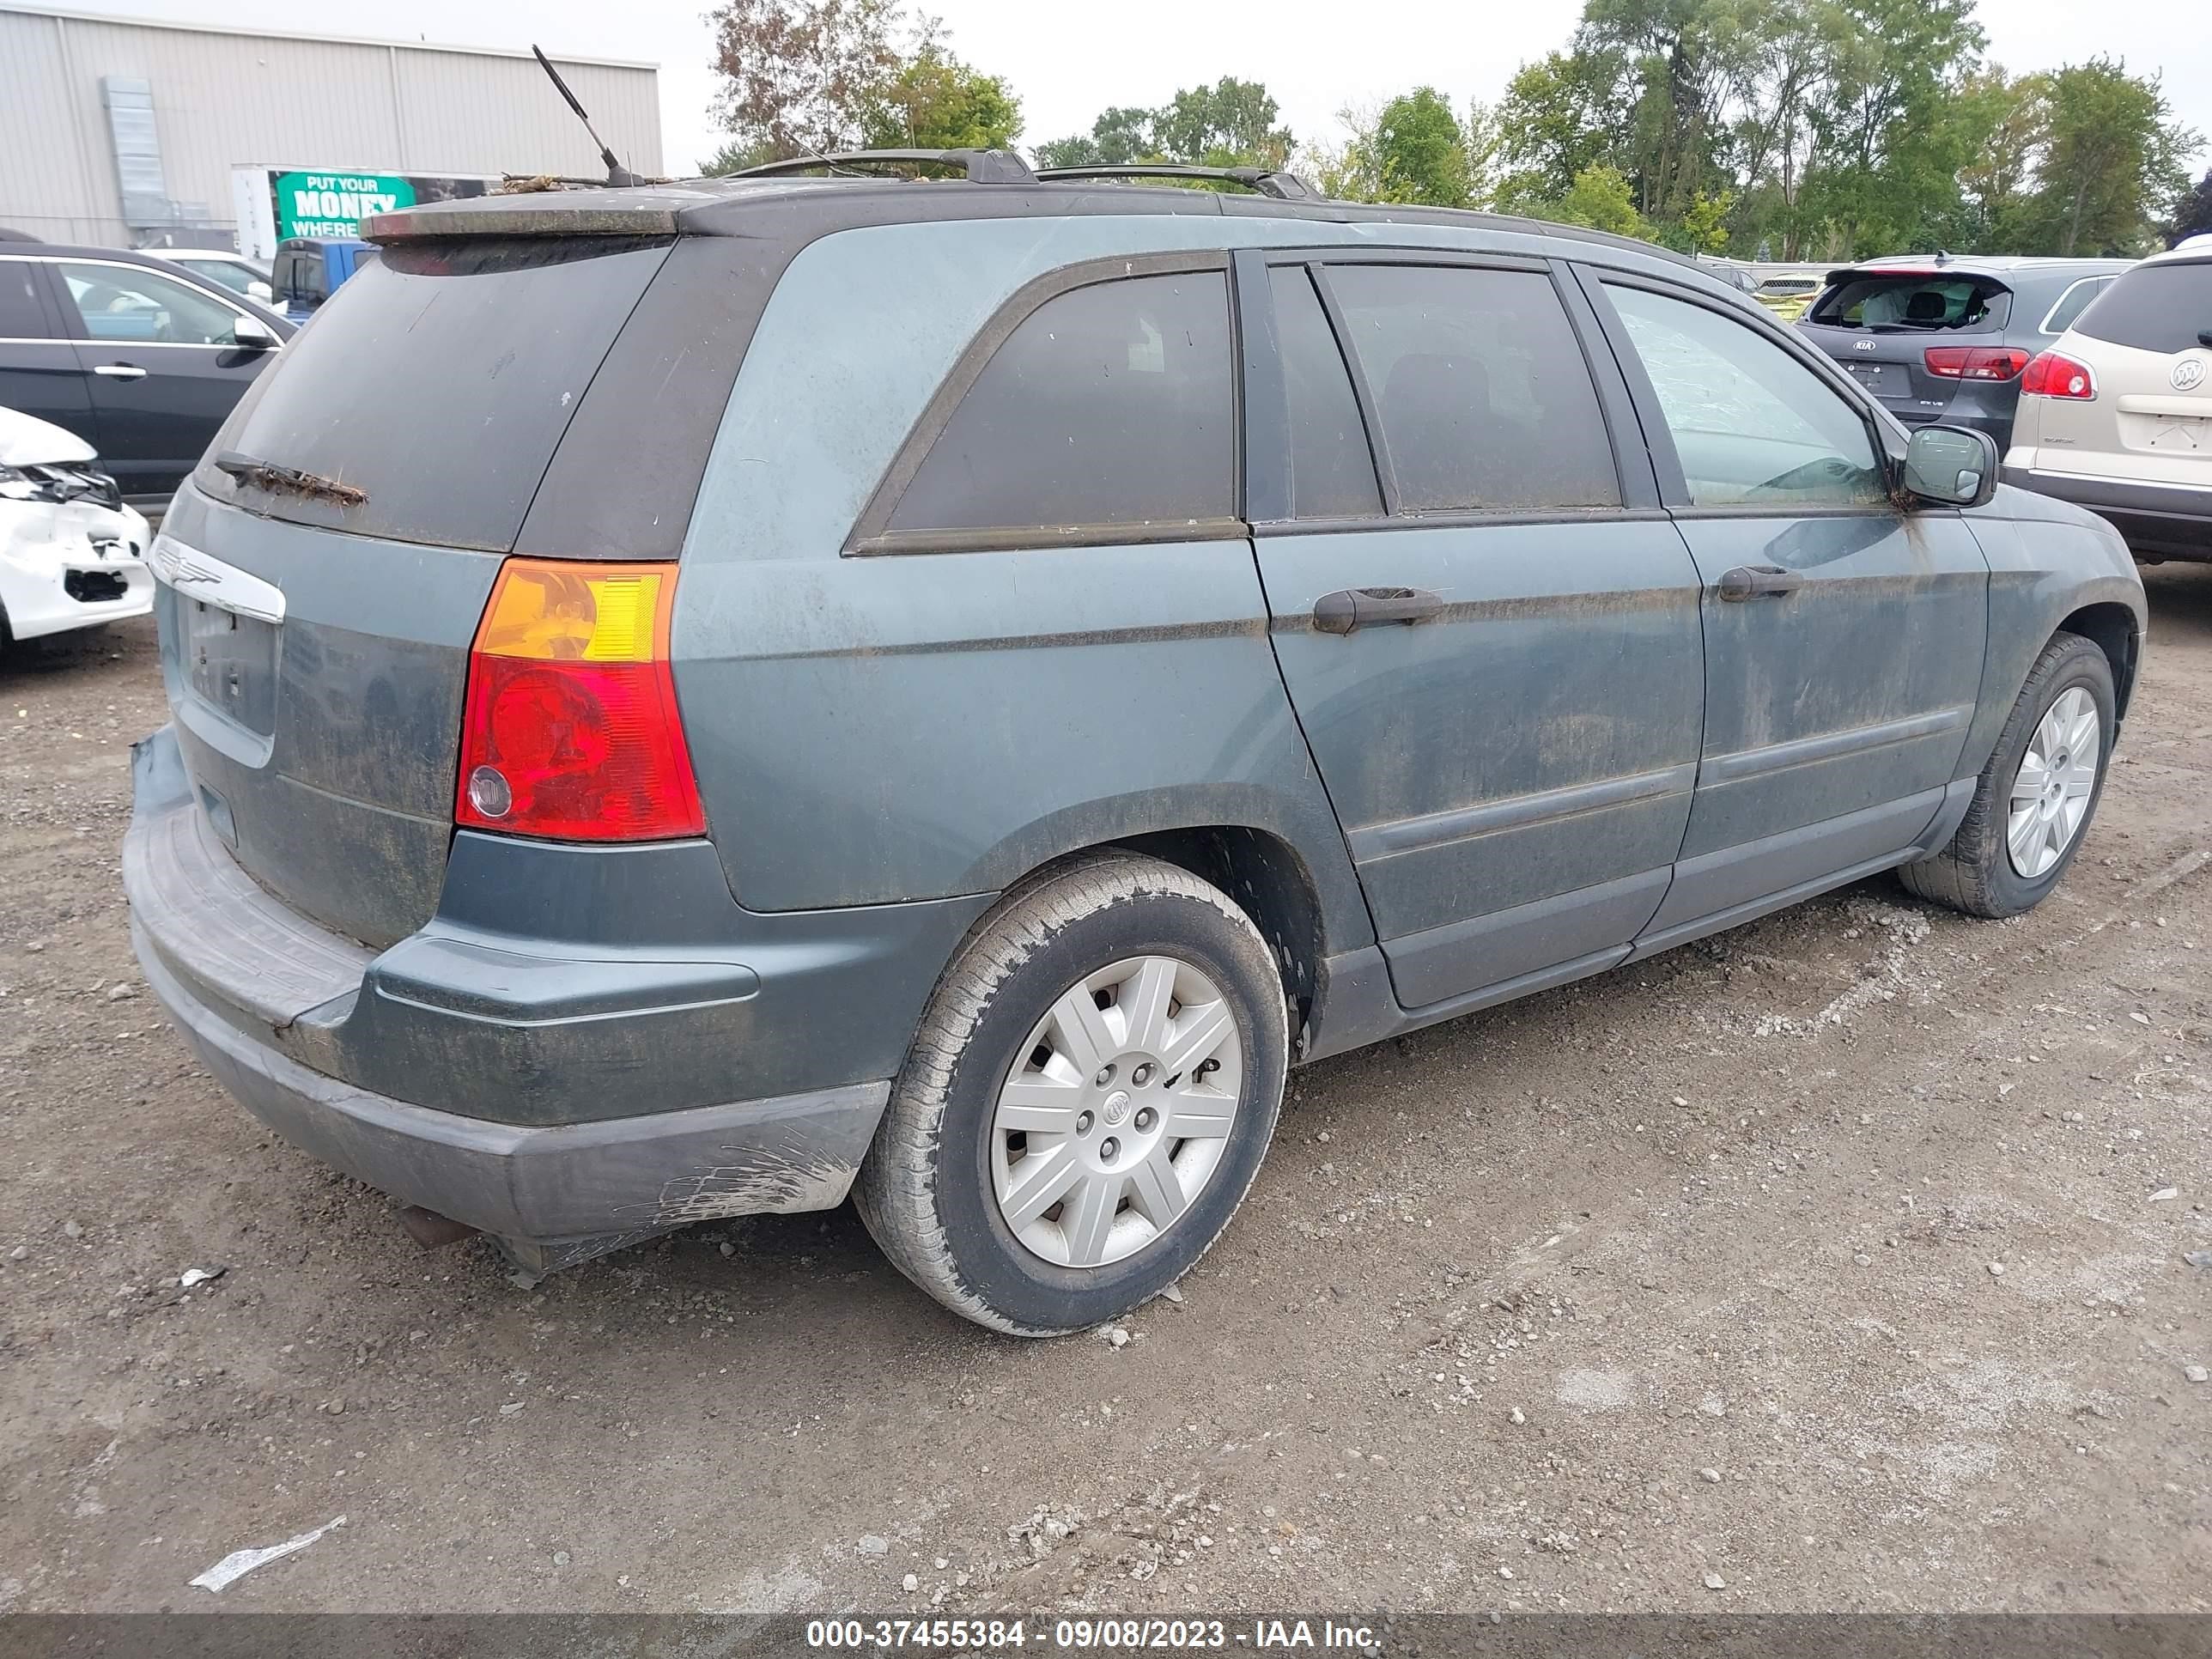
[324,571]
[2147,341]
[1883,324]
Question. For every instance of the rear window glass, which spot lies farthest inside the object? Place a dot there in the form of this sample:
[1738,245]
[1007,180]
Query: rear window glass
[2158,307]
[439,380]
[1479,385]
[1331,470]
[1964,304]
[1110,404]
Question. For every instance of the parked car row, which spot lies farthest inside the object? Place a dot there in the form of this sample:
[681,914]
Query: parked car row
[691,702]
[137,356]
[2094,376]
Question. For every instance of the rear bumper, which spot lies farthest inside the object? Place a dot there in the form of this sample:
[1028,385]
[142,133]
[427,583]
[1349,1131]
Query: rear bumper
[579,1188]
[2157,520]
[553,1085]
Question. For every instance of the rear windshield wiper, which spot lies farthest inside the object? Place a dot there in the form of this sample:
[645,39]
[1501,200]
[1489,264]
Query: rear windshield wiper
[268,475]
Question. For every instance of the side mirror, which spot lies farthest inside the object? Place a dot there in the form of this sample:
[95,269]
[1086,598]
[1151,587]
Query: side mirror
[1951,466]
[260,291]
[253,334]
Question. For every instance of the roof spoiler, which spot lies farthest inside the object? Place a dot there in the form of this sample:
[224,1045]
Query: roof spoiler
[576,215]
[1268,181]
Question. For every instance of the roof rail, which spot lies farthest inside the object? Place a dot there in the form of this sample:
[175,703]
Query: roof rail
[1268,181]
[982,166]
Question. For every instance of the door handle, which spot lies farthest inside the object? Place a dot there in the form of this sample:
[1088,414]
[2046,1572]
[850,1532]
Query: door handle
[119,371]
[1350,609]
[1759,582]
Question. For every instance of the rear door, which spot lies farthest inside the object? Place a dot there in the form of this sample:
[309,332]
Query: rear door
[161,365]
[1488,628]
[1883,325]
[1843,639]
[39,375]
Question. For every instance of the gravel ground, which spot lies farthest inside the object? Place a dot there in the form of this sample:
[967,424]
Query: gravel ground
[1843,1261]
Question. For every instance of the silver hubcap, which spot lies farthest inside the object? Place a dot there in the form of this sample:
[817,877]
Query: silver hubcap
[1118,1112]
[2050,792]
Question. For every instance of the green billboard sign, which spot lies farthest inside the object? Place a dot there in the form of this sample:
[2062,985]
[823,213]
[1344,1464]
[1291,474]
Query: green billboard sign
[333,205]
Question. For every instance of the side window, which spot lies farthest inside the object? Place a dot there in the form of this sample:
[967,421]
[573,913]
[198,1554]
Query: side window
[21,318]
[1331,469]
[2076,301]
[1752,425]
[1110,404]
[1480,387]
[123,304]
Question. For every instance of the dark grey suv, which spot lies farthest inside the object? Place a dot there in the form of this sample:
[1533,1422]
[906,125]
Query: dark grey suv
[694,701]
[1946,338]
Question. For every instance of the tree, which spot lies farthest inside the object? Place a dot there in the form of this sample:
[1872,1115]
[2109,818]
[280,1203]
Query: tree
[2111,151]
[800,77]
[2007,122]
[938,103]
[1886,170]
[1600,198]
[1420,151]
[1560,115]
[1232,118]
[1230,124]
[734,157]
[2192,212]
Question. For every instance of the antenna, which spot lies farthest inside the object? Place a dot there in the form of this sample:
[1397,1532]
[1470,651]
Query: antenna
[617,174]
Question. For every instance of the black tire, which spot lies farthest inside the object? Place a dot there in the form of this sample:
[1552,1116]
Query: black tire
[1975,873]
[925,1191]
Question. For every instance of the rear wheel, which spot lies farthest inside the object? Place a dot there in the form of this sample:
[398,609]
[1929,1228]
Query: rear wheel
[2037,795]
[1089,1094]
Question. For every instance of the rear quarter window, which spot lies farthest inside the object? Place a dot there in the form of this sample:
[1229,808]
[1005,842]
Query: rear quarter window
[1110,404]
[2153,308]
[439,379]
[1963,304]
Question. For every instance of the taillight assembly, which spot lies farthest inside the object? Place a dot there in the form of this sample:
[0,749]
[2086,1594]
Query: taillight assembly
[1975,362]
[2052,374]
[570,729]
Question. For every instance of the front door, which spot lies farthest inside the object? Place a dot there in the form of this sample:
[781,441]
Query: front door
[161,364]
[1844,638]
[1488,629]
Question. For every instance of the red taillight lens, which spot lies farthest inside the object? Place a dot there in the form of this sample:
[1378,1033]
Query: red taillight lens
[570,729]
[2051,375]
[1975,362]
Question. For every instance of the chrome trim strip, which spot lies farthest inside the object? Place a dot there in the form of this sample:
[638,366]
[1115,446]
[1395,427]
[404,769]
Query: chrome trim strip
[203,577]
[1830,746]
[1399,835]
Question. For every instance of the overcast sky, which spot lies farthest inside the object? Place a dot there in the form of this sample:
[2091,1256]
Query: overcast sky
[1316,58]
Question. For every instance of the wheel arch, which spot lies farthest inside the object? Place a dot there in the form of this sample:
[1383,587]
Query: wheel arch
[1263,873]
[2113,629]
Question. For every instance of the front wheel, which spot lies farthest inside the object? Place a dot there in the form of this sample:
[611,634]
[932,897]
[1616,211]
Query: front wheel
[1090,1093]
[2035,798]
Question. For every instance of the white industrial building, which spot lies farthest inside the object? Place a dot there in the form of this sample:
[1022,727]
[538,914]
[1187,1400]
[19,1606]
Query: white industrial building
[136,133]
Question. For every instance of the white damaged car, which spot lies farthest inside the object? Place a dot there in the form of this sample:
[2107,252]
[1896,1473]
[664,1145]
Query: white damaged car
[72,554]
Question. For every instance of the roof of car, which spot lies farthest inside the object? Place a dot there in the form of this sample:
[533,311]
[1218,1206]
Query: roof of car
[153,260]
[741,207]
[1976,265]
